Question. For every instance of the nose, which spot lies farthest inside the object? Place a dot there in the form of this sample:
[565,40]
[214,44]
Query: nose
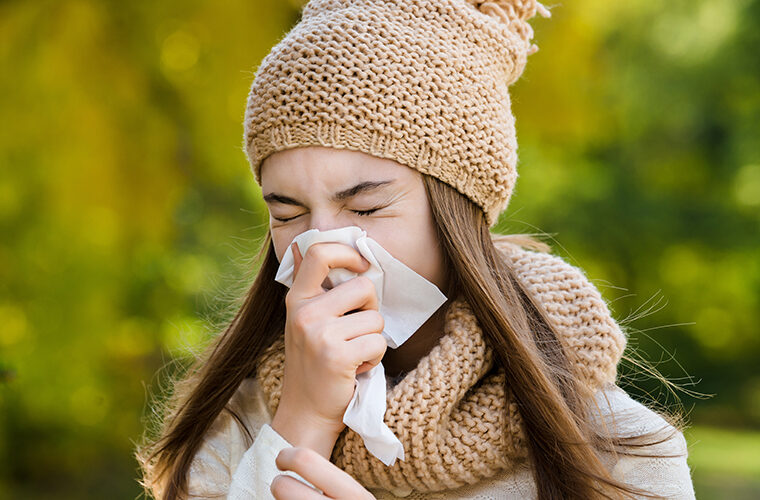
[323,220]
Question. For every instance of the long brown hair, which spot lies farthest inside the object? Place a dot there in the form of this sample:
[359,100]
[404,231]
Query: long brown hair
[563,445]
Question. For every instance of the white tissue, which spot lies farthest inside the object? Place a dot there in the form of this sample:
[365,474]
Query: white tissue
[406,300]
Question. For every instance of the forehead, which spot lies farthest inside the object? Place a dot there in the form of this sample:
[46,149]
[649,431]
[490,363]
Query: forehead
[315,166]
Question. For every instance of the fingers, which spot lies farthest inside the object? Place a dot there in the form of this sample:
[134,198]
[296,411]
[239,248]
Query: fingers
[316,264]
[357,324]
[286,488]
[368,350]
[358,293]
[297,258]
[313,467]
[364,367]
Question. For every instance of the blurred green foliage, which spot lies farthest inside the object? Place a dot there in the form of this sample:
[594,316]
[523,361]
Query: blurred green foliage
[127,210]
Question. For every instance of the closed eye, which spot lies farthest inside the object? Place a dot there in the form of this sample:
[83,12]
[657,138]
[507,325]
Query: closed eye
[359,212]
[366,212]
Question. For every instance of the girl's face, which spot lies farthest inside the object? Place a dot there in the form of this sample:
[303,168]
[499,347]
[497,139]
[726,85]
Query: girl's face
[327,188]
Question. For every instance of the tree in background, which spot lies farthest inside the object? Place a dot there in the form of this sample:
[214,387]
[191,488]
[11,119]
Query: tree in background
[129,216]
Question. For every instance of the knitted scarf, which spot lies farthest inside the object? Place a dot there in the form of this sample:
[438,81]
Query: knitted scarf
[451,412]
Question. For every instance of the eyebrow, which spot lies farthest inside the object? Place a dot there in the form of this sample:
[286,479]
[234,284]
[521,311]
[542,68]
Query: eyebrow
[362,187]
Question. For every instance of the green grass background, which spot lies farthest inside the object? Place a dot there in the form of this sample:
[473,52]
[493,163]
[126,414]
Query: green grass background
[724,463]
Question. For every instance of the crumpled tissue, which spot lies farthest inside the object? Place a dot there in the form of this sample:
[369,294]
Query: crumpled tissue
[406,300]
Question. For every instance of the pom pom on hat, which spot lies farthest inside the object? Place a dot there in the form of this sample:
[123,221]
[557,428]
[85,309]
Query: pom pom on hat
[421,82]
[514,13]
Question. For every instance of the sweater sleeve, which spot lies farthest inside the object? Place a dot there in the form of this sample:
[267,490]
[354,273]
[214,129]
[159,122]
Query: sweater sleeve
[257,468]
[664,470]
[223,468]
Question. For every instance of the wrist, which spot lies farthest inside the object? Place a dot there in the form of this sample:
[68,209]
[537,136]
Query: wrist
[308,431]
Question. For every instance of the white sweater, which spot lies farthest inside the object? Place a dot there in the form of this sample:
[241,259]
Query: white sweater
[227,466]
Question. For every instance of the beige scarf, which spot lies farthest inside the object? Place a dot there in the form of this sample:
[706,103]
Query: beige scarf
[451,414]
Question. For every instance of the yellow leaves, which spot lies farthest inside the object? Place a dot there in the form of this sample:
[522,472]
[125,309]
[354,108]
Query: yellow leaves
[694,31]
[14,326]
[179,51]
[133,337]
[88,405]
[183,335]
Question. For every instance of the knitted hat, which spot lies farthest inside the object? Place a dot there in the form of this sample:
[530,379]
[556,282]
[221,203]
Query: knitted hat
[421,82]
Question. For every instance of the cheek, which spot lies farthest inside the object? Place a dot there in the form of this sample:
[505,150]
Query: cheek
[416,247]
[281,239]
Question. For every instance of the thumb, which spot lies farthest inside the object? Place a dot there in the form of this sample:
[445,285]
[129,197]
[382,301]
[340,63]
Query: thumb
[297,258]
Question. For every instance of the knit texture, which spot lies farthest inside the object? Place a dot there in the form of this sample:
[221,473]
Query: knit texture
[451,412]
[421,82]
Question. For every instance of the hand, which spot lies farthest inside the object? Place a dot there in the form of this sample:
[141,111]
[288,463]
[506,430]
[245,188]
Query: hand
[313,467]
[325,347]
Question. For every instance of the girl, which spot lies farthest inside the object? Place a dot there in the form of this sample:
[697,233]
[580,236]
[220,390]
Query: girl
[394,116]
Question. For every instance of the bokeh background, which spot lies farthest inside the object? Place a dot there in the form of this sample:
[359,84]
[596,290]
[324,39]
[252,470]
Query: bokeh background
[128,214]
